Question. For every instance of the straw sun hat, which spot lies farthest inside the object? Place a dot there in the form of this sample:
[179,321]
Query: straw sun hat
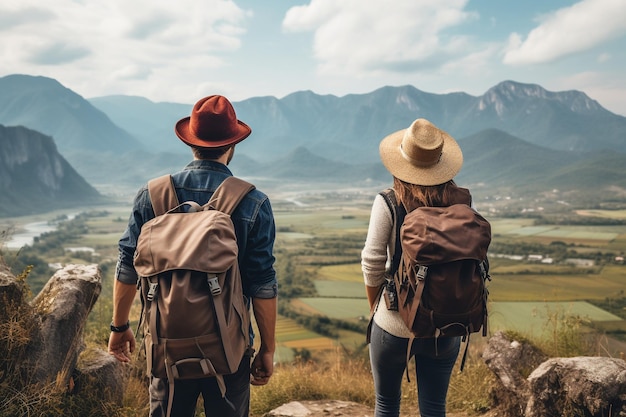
[422,154]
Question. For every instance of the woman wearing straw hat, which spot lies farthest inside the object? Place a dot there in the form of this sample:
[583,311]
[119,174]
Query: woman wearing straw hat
[423,160]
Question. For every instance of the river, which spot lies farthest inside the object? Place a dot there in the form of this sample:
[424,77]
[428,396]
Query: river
[28,233]
[20,235]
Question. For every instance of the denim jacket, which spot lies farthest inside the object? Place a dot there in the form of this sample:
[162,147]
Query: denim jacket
[253,219]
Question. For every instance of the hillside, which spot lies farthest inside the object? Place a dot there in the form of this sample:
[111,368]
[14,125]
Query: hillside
[151,123]
[35,178]
[44,105]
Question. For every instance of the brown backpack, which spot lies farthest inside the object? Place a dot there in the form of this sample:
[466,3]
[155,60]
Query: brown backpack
[440,268]
[196,320]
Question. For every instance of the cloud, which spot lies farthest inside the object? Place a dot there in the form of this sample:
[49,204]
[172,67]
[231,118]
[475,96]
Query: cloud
[150,26]
[358,37]
[132,72]
[119,42]
[11,17]
[58,53]
[568,31]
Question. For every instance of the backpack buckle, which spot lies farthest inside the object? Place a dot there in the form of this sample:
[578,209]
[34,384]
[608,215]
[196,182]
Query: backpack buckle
[214,285]
[152,291]
[422,270]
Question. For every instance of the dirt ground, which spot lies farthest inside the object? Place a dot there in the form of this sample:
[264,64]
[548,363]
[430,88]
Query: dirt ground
[334,409]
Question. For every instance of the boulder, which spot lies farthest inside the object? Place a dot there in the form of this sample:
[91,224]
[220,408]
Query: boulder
[590,386]
[532,385]
[46,348]
[511,360]
[322,409]
[10,287]
[98,371]
[62,308]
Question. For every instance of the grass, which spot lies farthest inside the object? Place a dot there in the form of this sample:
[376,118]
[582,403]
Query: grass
[333,378]
[344,378]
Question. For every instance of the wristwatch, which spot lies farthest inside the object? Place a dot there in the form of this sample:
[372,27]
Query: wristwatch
[120,329]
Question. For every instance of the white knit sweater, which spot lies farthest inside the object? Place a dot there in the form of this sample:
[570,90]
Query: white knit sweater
[376,259]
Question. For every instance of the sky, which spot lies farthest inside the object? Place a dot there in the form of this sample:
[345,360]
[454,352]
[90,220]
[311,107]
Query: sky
[180,51]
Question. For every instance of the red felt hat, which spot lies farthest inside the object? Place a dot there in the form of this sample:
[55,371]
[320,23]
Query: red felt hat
[212,124]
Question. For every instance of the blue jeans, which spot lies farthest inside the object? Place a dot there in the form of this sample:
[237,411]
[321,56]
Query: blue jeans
[433,367]
[186,393]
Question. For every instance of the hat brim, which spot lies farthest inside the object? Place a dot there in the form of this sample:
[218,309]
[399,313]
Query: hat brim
[443,171]
[185,134]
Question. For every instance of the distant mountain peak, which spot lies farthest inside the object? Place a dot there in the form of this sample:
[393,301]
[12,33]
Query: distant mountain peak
[511,93]
[503,94]
[32,81]
[515,88]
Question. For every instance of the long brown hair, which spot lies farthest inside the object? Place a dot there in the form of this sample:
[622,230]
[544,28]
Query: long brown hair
[413,196]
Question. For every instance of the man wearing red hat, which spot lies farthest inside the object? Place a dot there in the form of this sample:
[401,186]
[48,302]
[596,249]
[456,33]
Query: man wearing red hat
[212,131]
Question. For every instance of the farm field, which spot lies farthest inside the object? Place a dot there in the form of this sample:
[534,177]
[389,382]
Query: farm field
[532,318]
[609,282]
[323,221]
[321,237]
[290,335]
[335,307]
[571,233]
[340,289]
[610,237]
[522,294]
[609,214]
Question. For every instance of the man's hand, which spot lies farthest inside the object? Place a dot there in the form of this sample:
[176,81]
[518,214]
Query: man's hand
[262,368]
[121,345]
[263,363]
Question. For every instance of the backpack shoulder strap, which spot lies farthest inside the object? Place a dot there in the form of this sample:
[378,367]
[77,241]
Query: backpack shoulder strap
[162,194]
[398,212]
[229,194]
[389,195]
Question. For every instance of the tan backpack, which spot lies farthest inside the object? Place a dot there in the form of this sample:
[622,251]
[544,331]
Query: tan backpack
[196,320]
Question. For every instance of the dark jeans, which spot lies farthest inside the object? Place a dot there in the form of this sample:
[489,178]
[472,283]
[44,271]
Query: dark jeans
[186,393]
[433,370]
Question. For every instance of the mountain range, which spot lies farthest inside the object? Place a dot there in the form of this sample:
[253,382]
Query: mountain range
[515,135]
[563,121]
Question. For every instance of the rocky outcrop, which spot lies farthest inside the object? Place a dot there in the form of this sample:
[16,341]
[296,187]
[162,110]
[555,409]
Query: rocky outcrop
[511,361]
[46,339]
[98,371]
[596,385]
[62,308]
[531,385]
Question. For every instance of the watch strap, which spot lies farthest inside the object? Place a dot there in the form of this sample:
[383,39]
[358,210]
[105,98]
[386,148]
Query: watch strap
[120,329]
